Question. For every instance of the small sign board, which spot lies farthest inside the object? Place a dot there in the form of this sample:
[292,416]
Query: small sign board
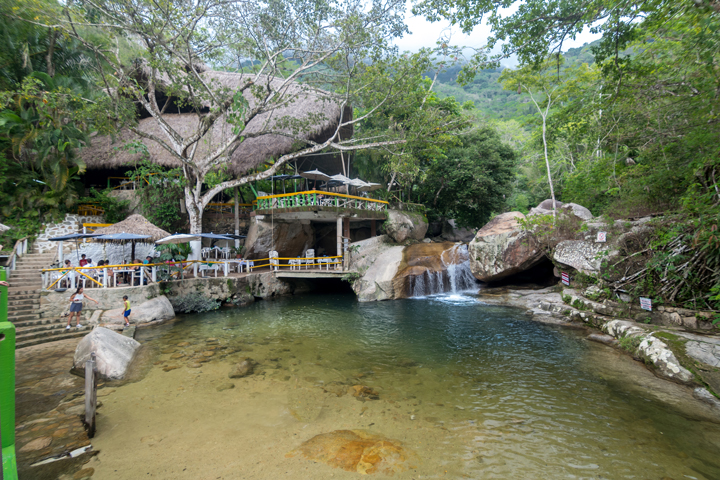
[601,237]
[646,304]
[566,278]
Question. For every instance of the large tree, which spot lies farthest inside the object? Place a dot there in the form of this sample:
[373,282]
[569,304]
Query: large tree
[155,56]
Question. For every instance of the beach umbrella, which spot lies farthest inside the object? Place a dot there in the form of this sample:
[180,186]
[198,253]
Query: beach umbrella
[341,178]
[315,175]
[4,228]
[178,238]
[123,237]
[76,237]
[370,187]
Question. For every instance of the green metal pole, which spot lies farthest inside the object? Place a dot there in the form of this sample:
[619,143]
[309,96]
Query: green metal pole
[7,386]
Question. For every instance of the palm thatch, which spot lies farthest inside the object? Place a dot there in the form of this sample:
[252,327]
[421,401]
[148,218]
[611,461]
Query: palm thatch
[299,106]
[4,228]
[135,224]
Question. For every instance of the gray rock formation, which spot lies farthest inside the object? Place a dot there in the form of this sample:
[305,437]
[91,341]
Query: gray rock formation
[452,233]
[582,255]
[578,210]
[155,310]
[401,226]
[501,249]
[289,239]
[113,353]
[378,260]
[545,207]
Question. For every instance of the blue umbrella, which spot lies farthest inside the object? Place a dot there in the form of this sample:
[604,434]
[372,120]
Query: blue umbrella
[76,237]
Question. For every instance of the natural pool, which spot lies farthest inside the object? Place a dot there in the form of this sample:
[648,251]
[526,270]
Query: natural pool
[468,390]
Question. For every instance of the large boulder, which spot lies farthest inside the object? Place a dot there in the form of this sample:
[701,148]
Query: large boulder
[401,226]
[113,353]
[377,282]
[288,239]
[578,210]
[452,233]
[582,255]
[546,207]
[501,249]
[156,310]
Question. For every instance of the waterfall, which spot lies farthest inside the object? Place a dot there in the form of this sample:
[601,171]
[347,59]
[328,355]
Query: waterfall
[455,277]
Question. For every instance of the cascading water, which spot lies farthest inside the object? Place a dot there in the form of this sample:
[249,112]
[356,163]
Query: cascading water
[454,277]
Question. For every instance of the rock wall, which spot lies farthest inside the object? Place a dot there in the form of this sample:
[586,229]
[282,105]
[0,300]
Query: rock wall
[230,289]
[71,224]
[288,239]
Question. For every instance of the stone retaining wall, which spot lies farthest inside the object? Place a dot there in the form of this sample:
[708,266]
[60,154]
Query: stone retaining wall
[71,224]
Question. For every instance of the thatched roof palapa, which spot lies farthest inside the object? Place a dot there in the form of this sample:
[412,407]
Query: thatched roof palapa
[297,102]
[135,224]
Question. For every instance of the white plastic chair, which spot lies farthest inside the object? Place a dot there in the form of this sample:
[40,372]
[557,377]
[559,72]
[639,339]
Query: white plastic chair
[309,257]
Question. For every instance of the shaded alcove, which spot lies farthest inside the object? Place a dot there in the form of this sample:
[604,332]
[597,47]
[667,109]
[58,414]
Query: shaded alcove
[541,275]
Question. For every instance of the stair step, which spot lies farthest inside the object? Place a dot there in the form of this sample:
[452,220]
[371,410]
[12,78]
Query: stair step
[17,302]
[23,317]
[32,329]
[23,296]
[39,321]
[73,333]
[54,332]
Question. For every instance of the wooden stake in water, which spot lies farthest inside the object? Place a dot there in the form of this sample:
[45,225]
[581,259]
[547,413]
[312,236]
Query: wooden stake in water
[90,395]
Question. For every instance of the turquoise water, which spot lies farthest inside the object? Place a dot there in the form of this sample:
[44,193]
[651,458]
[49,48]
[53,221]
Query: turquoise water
[475,391]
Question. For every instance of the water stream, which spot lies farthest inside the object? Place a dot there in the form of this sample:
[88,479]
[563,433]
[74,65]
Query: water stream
[455,276]
[470,390]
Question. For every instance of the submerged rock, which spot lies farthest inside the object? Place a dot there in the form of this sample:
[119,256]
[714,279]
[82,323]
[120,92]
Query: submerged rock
[363,391]
[501,249]
[356,451]
[242,369]
[113,353]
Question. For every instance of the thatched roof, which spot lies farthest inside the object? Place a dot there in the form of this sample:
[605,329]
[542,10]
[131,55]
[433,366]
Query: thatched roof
[135,224]
[4,228]
[299,102]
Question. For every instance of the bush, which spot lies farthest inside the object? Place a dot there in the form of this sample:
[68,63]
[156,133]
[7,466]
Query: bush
[194,302]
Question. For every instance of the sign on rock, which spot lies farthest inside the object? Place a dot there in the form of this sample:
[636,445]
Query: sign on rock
[601,237]
[566,278]
[646,304]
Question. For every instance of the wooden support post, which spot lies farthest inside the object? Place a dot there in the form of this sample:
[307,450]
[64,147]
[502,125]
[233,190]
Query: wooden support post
[90,395]
[373,229]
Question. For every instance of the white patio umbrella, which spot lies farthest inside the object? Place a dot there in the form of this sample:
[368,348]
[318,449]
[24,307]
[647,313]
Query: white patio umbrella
[370,187]
[341,178]
[315,175]
[4,228]
[178,238]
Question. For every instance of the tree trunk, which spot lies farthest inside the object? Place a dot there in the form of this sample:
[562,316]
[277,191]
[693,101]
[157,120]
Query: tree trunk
[547,163]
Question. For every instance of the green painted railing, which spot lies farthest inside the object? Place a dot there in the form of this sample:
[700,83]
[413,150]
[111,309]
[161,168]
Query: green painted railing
[7,386]
[320,199]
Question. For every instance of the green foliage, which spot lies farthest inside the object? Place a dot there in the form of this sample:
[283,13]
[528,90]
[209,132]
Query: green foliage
[172,254]
[630,343]
[351,277]
[194,302]
[472,181]
[160,192]
[116,210]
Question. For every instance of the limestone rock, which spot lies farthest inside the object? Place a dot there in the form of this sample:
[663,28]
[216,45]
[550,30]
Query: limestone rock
[363,391]
[501,249]
[113,353]
[583,256]
[546,207]
[156,310]
[378,260]
[577,210]
[657,352]
[401,226]
[289,239]
[452,233]
[37,444]
[356,451]
[242,369]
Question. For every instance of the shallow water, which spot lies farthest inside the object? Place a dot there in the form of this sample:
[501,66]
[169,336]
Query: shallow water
[470,390]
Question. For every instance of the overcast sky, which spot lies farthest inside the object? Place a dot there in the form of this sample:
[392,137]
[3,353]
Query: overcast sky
[426,34]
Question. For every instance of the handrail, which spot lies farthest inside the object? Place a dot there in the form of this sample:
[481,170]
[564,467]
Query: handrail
[229,204]
[20,244]
[320,192]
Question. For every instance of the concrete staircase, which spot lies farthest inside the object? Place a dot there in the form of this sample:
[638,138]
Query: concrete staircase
[31,327]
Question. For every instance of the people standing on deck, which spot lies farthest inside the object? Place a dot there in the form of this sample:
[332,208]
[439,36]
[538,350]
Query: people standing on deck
[76,304]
